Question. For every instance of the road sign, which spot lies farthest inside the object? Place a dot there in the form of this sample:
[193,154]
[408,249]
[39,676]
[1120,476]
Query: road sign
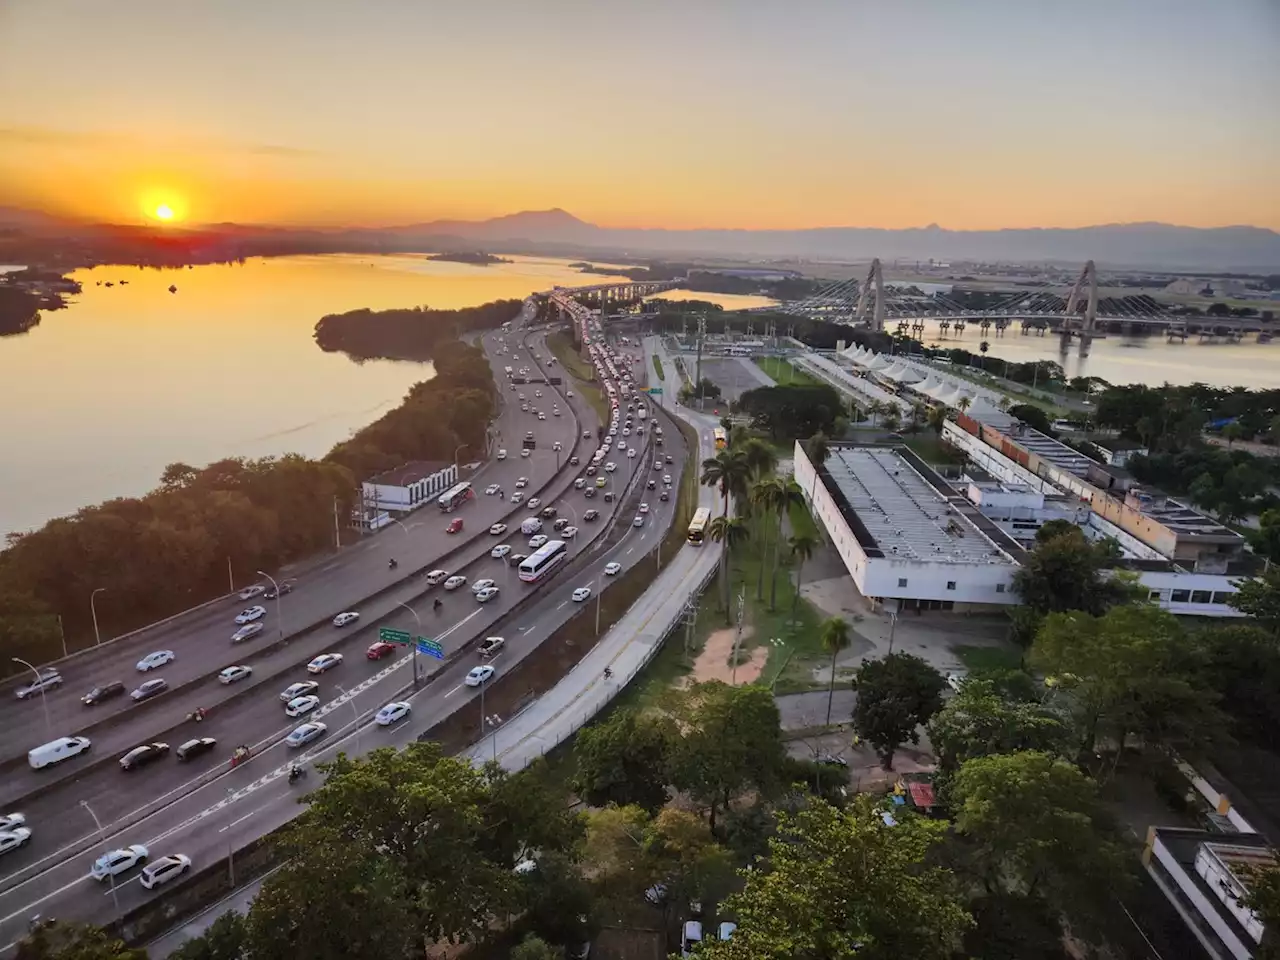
[430,648]
[654,391]
[387,635]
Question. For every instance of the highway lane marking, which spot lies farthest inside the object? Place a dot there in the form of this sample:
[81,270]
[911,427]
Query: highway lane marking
[453,691]
[562,604]
[237,821]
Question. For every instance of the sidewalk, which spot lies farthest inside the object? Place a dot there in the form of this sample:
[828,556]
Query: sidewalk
[238,902]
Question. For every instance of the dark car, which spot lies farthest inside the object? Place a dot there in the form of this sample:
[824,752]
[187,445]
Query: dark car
[152,688]
[517,558]
[286,586]
[574,461]
[102,692]
[652,484]
[591,515]
[560,524]
[664,496]
[548,512]
[608,497]
[141,756]
[589,493]
[194,748]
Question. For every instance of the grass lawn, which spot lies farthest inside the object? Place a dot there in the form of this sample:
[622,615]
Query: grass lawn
[930,448]
[783,372]
[988,658]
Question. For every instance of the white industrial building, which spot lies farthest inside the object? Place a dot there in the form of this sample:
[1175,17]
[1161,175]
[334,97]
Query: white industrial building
[402,490]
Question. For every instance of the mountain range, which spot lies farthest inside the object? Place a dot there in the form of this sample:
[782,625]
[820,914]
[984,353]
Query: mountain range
[1138,245]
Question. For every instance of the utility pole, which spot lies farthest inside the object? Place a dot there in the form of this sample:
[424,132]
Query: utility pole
[689,616]
[337,531]
[697,380]
[737,636]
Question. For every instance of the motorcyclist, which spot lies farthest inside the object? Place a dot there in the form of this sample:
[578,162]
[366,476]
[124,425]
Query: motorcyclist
[608,672]
[437,605]
[295,772]
[391,564]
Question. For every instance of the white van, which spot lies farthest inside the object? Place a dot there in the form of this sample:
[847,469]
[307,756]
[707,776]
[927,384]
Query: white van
[691,937]
[56,751]
[530,526]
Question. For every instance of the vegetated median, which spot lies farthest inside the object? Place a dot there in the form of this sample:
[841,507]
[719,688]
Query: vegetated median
[169,550]
[657,367]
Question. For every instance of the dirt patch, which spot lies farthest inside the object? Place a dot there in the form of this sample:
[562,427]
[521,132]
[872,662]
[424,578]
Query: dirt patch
[716,660]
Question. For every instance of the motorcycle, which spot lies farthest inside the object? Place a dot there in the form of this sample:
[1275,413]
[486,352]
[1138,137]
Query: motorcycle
[391,564]
[296,774]
[437,605]
[240,755]
[197,715]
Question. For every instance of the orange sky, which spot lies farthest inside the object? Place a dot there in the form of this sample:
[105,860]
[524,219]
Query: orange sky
[717,114]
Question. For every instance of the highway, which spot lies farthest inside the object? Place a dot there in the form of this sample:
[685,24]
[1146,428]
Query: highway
[204,809]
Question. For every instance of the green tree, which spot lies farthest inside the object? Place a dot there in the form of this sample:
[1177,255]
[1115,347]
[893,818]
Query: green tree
[1266,539]
[842,883]
[728,470]
[1259,597]
[732,741]
[1011,926]
[533,947]
[818,450]
[835,636]
[1232,432]
[979,721]
[891,418]
[938,418]
[75,941]
[1032,416]
[730,533]
[523,812]
[802,545]
[895,696]
[1065,571]
[226,939]
[558,903]
[1264,900]
[1242,665]
[623,760]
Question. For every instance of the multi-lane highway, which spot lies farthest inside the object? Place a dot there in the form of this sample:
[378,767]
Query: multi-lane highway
[183,807]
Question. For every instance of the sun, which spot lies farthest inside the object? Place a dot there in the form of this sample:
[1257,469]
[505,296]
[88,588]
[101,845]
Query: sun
[164,212]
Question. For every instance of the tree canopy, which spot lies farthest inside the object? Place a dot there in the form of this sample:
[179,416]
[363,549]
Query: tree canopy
[1065,571]
[624,760]
[793,410]
[896,695]
[979,721]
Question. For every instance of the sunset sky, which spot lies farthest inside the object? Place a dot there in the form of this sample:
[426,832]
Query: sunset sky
[700,113]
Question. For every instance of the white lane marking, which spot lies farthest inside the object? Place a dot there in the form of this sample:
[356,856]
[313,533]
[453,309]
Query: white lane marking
[453,691]
[237,821]
[562,603]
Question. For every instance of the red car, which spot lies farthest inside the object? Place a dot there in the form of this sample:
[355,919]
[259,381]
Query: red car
[379,650]
[455,525]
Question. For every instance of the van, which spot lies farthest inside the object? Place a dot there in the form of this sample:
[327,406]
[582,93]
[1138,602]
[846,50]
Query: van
[691,937]
[530,526]
[56,751]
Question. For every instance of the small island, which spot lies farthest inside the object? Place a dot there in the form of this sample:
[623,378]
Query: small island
[24,293]
[476,258]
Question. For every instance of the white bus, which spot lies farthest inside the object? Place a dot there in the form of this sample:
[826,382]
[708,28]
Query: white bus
[455,497]
[543,560]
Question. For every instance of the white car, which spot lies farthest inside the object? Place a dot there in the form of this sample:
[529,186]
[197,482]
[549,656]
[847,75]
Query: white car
[502,454]
[11,821]
[524,452]
[522,482]
[116,862]
[612,569]
[232,674]
[299,689]
[437,576]
[644,508]
[638,521]
[579,483]
[582,593]
[557,445]
[13,839]
[248,593]
[490,646]
[487,594]
[247,632]
[493,488]
[484,584]
[454,582]
[479,675]
[610,466]
[569,532]
[301,705]
[542,416]
[153,660]
[326,661]
[251,614]
[498,529]
[164,870]
[392,713]
[500,551]
[306,733]
[517,498]
[50,679]
[631,454]
[537,541]
[666,479]
[342,619]
[534,504]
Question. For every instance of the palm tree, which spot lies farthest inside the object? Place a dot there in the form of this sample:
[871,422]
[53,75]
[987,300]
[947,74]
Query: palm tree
[729,532]
[937,418]
[802,545]
[818,450]
[727,470]
[760,457]
[919,412]
[964,403]
[891,419]
[786,493]
[762,498]
[834,637]
[874,409]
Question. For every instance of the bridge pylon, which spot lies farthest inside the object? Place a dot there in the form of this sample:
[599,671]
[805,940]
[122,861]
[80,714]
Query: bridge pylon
[1088,273]
[875,275]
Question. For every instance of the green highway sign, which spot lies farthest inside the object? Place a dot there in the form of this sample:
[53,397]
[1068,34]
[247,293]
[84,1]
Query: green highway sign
[431,648]
[655,391]
[387,635]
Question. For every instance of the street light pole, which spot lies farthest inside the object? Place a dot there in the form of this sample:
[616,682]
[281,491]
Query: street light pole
[355,714]
[115,898]
[413,652]
[599,593]
[279,601]
[97,637]
[48,727]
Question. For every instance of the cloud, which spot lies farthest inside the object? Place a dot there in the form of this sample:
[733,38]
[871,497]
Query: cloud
[34,136]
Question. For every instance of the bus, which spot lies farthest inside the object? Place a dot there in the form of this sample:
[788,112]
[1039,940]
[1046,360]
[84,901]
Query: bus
[698,526]
[455,497]
[722,437]
[509,371]
[543,560]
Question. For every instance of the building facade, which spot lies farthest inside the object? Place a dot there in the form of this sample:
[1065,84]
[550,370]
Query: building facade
[402,490]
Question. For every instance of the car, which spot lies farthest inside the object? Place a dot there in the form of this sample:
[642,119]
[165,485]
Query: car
[498,529]
[591,515]
[489,646]
[487,594]
[479,675]
[575,460]
[522,482]
[631,454]
[149,689]
[301,706]
[11,821]
[517,498]
[589,493]
[115,862]
[524,408]
[537,394]
[612,568]
[49,680]
[534,503]
[286,586]
[591,470]
[664,496]
[586,434]
[668,459]
[608,497]
[569,532]
[626,431]
[502,454]
[346,617]
[500,551]
[537,541]
[153,660]
[482,585]
[666,479]
[247,632]
[379,649]
[644,508]
[324,662]
[14,839]
[542,416]
[299,689]
[455,526]
[548,512]
[560,524]
[141,756]
[652,485]
[304,734]
[581,594]
[248,593]
[251,614]
[392,713]
[234,673]
[557,445]
[194,748]
[524,452]
[657,464]
[638,521]
[104,691]
[579,483]
[164,870]
[569,394]
[601,482]
[454,582]
[493,488]
[517,558]
[436,577]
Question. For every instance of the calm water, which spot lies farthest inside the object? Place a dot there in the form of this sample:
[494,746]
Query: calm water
[730,301]
[100,397]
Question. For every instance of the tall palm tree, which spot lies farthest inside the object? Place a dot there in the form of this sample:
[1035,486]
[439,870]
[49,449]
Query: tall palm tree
[727,470]
[760,457]
[802,546]
[729,532]
[786,493]
[919,413]
[874,409]
[964,403]
[818,450]
[834,637]
[762,499]
[891,419]
[938,418]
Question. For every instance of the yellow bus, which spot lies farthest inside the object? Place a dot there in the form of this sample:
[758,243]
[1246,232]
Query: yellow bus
[722,438]
[698,526]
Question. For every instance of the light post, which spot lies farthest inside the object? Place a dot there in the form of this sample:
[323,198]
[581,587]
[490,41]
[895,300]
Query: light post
[279,601]
[599,594]
[355,714]
[48,727]
[115,898]
[457,469]
[97,637]
[413,652]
